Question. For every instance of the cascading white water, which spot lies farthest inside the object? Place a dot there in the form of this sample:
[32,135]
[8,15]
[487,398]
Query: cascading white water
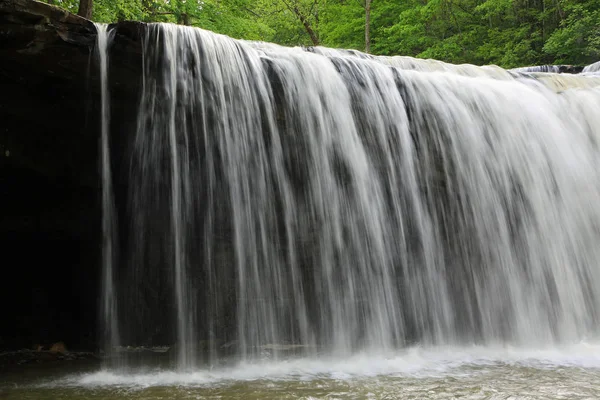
[331,202]
[595,67]
[109,293]
[538,68]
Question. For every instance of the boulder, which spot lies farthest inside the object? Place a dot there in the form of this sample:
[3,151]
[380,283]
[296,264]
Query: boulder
[58,347]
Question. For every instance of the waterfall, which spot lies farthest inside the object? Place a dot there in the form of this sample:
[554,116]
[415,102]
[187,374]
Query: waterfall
[539,68]
[328,201]
[109,295]
[595,67]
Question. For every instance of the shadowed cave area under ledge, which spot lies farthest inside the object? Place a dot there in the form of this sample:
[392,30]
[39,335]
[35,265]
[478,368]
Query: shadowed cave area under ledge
[49,236]
[50,199]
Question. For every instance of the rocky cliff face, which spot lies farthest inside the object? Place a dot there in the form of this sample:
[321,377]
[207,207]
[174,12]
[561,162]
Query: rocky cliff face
[49,179]
[46,98]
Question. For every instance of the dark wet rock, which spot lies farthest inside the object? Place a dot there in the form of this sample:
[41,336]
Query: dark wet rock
[49,214]
[58,347]
[570,69]
[31,357]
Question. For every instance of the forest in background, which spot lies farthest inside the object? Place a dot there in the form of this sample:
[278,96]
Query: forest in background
[508,33]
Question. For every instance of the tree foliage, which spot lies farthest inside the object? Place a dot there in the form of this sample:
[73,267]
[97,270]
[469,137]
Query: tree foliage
[508,33]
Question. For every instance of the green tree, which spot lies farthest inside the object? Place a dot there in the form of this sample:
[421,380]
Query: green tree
[508,33]
[85,8]
[577,39]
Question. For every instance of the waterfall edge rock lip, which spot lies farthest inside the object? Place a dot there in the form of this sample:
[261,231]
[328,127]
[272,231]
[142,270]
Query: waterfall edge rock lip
[71,28]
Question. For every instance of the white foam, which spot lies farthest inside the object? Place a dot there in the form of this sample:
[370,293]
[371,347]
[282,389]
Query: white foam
[414,362]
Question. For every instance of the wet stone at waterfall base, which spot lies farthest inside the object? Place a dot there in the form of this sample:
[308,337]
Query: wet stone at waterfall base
[317,223]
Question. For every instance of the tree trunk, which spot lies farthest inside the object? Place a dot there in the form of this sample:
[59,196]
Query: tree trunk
[184,19]
[313,36]
[85,8]
[368,26]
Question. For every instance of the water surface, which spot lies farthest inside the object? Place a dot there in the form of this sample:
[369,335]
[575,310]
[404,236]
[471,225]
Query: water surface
[571,372]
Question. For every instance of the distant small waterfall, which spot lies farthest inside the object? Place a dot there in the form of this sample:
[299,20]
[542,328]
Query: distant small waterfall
[332,202]
[595,67]
[539,68]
